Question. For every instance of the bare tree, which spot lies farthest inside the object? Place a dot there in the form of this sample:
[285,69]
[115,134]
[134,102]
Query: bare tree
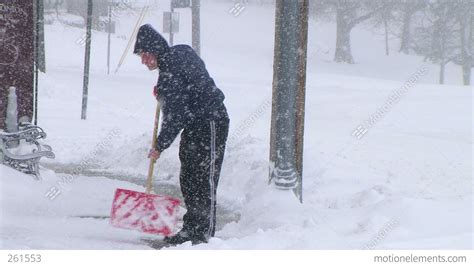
[444,35]
[384,18]
[349,14]
[408,9]
[464,14]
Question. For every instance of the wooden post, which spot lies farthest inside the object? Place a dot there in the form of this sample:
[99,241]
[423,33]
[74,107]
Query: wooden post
[301,96]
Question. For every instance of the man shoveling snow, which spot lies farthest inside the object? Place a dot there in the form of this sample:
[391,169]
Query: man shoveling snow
[191,102]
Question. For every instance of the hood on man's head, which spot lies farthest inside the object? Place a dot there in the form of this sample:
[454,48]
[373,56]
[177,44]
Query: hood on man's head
[149,40]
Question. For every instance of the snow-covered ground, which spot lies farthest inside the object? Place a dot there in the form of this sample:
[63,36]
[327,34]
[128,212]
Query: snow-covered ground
[405,184]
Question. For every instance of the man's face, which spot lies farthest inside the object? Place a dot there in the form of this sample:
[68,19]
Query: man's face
[149,60]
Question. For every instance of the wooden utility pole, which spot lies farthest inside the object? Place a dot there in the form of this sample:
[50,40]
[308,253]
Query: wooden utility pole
[301,96]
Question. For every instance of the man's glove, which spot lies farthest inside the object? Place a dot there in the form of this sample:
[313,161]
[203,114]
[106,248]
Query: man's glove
[154,154]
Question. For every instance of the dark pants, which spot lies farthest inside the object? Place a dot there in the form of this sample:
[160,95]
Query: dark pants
[201,153]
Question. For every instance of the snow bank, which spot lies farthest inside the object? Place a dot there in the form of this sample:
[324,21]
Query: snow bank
[32,219]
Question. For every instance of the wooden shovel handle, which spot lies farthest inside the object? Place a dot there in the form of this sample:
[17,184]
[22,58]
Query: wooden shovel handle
[149,181]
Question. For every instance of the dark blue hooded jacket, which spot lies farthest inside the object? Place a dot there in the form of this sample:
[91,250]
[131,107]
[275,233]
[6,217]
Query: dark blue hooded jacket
[188,95]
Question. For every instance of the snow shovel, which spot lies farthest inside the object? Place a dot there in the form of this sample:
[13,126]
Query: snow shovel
[145,212]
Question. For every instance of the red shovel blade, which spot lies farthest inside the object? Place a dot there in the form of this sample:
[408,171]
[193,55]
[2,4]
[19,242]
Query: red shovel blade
[147,213]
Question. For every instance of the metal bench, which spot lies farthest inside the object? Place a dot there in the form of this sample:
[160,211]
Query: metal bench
[28,162]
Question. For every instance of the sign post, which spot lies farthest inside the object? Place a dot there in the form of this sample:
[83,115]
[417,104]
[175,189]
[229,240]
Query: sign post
[196,26]
[87,61]
[171,24]
[109,32]
[171,21]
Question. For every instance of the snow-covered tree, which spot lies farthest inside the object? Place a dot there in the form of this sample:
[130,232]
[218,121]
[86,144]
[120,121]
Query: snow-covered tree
[464,15]
[406,10]
[384,18]
[443,34]
[349,14]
